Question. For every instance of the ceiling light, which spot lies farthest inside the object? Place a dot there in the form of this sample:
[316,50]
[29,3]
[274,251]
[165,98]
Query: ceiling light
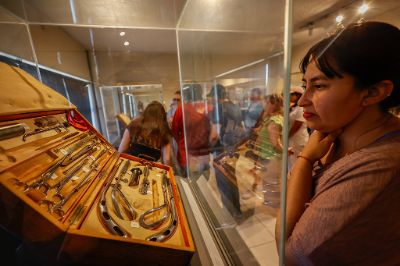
[126,43]
[339,19]
[362,9]
[122,33]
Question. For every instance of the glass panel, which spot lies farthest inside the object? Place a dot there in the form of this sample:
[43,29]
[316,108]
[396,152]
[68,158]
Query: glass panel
[12,11]
[15,47]
[110,101]
[130,100]
[143,13]
[140,65]
[64,67]
[231,63]
[113,57]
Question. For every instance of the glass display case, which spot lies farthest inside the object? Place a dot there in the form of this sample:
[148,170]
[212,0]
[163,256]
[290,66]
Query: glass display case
[231,59]
[233,66]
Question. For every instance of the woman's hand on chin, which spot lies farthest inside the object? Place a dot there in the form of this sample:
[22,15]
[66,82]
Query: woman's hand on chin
[319,144]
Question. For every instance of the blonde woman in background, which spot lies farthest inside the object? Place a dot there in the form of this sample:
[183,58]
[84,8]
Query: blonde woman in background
[268,148]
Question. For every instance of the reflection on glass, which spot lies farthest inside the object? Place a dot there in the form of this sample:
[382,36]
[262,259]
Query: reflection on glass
[111,107]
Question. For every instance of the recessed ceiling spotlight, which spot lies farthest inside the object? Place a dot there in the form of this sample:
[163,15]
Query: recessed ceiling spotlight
[122,33]
[362,9]
[126,43]
[339,19]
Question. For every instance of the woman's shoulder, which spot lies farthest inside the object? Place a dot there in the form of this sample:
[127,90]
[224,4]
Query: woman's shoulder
[386,149]
[379,161]
[384,153]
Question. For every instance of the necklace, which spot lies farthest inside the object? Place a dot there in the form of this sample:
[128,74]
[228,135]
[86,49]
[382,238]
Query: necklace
[356,147]
[335,154]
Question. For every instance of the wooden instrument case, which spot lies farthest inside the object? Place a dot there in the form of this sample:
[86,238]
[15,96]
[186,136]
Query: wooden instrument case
[78,235]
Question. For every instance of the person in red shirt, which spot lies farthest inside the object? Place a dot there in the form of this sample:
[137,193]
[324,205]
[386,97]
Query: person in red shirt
[192,121]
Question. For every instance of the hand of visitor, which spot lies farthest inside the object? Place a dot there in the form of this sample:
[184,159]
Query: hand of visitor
[319,144]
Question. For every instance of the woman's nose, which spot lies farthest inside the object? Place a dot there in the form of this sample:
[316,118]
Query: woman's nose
[304,101]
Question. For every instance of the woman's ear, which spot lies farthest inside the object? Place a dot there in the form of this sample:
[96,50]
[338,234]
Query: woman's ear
[378,92]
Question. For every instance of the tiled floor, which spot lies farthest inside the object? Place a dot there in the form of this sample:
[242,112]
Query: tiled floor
[258,232]
[258,224]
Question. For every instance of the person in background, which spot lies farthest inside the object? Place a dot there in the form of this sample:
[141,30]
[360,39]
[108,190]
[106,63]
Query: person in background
[149,136]
[140,107]
[268,150]
[254,111]
[343,192]
[227,130]
[197,128]
[175,103]
[226,118]
[298,134]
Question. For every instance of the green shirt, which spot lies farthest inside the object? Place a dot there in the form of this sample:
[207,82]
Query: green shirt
[266,149]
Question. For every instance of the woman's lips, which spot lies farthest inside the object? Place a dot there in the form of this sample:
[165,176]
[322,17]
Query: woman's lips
[307,115]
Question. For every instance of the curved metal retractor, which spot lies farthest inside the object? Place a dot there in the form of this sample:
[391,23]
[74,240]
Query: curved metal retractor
[168,232]
[142,219]
[111,225]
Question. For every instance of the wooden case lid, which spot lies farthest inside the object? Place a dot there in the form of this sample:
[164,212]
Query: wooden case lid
[22,93]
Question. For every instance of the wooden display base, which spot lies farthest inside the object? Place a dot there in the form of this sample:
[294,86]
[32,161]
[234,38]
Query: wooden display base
[76,232]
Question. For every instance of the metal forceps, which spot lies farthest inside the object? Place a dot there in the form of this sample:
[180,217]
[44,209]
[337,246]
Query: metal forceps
[145,183]
[48,173]
[117,191]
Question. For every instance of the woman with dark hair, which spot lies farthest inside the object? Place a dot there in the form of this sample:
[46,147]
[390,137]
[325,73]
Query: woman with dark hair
[343,194]
[149,136]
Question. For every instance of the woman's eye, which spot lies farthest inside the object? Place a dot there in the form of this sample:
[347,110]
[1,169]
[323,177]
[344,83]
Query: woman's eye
[318,86]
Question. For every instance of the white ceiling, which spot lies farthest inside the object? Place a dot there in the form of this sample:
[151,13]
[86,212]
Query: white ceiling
[137,13]
[248,29]
[140,40]
[205,26]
